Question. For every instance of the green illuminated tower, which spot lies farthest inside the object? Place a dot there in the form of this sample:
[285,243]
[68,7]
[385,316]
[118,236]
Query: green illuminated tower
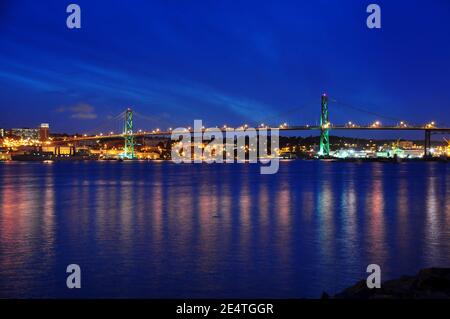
[128,150]
[324,128]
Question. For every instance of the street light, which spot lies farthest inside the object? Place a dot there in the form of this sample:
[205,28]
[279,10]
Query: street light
[376,124]
[430,125]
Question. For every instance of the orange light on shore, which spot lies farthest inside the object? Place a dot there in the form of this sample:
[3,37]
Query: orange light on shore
[376,124]
[431,124]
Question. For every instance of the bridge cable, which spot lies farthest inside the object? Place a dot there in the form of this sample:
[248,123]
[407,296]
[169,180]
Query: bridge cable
[108,121]
[362,110]
[279,115]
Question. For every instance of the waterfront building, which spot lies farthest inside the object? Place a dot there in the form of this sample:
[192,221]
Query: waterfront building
[4,154]
[352,153]
[406,144]
[44,131]
[59,150]
[25,133]
[400,153]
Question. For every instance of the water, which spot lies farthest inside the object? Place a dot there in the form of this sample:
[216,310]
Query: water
[164,230]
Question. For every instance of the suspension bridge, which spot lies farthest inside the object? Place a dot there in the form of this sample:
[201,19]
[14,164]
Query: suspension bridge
[325,126]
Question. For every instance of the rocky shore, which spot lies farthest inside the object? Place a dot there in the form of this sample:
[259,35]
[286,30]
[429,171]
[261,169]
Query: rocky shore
[429,283]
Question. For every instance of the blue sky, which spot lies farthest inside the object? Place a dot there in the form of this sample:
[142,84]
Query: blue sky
[220,61]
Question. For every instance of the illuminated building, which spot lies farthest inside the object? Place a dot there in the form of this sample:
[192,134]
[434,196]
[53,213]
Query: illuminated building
[4,154]
[59,150]
[406,144]
[2,133]
[25,133]
[44,131]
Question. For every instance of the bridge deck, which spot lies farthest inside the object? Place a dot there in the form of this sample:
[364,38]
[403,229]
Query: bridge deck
[290,128]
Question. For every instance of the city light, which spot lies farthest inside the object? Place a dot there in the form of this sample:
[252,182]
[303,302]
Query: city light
[326,125]
[431,125]
[405,149]
[376,124]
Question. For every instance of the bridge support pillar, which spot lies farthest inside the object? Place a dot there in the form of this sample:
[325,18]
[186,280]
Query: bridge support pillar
[128,150]
[427,144]
[324,149]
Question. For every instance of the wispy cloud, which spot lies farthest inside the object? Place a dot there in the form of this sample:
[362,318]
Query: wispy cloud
[170,93]
[113,85]
[82,111]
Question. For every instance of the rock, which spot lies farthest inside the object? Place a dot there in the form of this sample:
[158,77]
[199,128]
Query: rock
[325,296]
[430,283]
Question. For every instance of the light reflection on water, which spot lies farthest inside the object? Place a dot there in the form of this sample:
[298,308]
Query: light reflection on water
[164,230]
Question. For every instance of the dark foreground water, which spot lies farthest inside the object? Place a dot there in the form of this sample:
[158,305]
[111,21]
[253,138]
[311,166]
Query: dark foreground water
[166,230]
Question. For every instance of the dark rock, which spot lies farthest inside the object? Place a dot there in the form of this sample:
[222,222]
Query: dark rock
[430,283]
[325,296]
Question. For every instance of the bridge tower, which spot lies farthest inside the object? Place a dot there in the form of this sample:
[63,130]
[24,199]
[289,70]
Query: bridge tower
[128,150]
[324,128]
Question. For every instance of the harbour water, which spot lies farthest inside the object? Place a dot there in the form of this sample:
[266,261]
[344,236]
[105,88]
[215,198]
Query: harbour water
[161,230]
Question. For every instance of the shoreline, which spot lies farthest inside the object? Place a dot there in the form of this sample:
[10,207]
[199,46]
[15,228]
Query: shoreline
[428,283]
[339,160]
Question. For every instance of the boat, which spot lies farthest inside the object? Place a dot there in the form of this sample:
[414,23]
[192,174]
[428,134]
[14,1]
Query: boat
[32,157]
